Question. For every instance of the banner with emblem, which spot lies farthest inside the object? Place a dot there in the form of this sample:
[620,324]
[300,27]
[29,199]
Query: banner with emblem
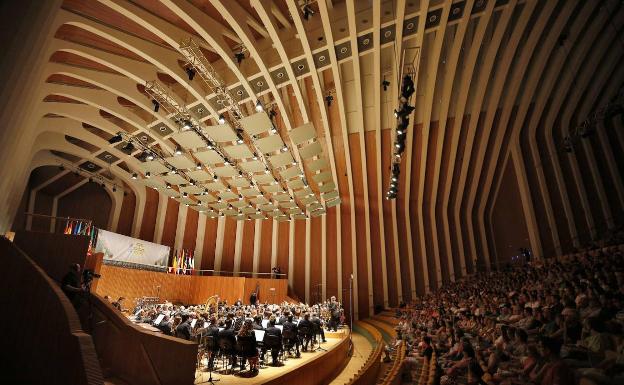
[120,249]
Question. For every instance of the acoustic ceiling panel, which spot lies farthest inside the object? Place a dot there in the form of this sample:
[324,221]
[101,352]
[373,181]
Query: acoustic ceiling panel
[239,151]
[291,172]
[318,164]
[259,200]
[316,213]
[153,183]
[188,139]
[174,179]
[272,188]
[322,177]
[251,192]
[310,150]
[288,204]
[252,166]
[206,198]
[269,144]
[248,210]
[227,195]
[281,159]
[225,171]
[302,133]
[330,195]
[256,123]
[239,182]
[268,207]
[221,133]
[326,187]
[257,216]
[295,184]
[215,186]
[199,175]
[191,189]
[264,178]
[239,204]
[209,157]
[332,203]
[170,192]
[154,167]
[308,200]
[180,162]
[219,205]
[303,192]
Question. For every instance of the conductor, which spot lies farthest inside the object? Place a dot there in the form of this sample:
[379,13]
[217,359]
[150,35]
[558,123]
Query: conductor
[253,298]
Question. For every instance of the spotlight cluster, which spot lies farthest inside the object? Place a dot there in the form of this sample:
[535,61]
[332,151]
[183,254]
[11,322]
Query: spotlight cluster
[402,114]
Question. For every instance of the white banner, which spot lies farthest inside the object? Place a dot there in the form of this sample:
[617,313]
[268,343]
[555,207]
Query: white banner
[121,249]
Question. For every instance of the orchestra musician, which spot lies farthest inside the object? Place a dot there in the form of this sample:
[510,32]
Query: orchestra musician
[290,330]
[334,313]
[183,330]
[273,331]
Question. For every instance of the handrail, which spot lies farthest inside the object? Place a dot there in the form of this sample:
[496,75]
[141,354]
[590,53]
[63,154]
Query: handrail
[368,372]
[57,217]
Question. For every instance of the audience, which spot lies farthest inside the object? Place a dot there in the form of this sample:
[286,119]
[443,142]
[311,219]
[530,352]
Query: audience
[553,323]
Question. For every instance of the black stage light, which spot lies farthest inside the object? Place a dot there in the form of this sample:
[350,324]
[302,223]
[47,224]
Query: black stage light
[115,139]
[156,105]
[385,84]
[408,87]
[191,73]
[328,100]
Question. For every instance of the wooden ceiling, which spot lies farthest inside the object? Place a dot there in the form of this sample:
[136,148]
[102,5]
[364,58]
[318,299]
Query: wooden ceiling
[485,71]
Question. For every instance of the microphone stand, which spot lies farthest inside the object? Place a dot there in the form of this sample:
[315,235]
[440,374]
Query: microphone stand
[350,353]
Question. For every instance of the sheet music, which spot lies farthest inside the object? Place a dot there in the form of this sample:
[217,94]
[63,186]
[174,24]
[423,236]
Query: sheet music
[159,319]
[280,327]
[205,324]
[221,329]
[259,335]
[265,323]
[193,322]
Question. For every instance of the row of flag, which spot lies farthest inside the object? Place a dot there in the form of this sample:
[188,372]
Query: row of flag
[76,227]
[183,262]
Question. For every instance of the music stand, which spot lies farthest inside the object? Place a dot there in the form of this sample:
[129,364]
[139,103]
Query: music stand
[210,380]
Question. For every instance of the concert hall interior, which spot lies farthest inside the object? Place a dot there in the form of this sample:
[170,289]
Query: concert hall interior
[347,192]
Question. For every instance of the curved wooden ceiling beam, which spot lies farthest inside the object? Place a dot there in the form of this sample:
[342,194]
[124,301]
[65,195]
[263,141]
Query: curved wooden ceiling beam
[492,109]
[452,62]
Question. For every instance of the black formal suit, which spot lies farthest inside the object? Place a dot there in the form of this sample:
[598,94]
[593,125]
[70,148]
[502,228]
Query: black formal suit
[230,336]
[318,328]
[273,331]
[291,329]
[212,331]
[184,330]
[303,324]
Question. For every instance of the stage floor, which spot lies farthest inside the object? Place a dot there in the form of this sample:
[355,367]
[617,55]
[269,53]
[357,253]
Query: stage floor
[268,373]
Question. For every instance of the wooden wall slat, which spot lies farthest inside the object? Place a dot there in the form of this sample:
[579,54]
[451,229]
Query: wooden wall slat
[266,247]
[149,215]
[128,205]
[389,226]
[299,259]
[210,244]
[315,259]
[229,245]
[247,250]
[190,229]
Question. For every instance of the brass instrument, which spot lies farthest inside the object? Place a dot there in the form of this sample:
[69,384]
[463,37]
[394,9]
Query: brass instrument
[214,300]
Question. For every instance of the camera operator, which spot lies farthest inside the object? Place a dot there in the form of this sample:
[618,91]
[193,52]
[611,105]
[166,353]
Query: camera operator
[71,284]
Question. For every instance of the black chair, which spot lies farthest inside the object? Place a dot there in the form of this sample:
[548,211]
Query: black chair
[305,334]
[289,339]
[246,349]
[273,343]
[227,349]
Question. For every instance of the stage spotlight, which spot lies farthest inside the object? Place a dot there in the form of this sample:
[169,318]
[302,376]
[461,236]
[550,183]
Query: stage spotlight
[148,175]
[198,166]
[185,194]
[168,186]
[191,73]
[149,156]
[114,189]
[273,130]
[134,175]
[328,100]
[192,182]
[240,56]
[221,119]
[226,162]
[178,150]
[128,147]
[156,105]
[408,87]
[115,139]
[210,145]
[255,156]
[215,177]
[259,106]
[307,11]
[405,110]
[239,139]
[173,171]
[186,124]
[385,84]
[400,147]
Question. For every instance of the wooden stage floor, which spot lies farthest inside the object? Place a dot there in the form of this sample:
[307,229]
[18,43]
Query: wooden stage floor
[268,373]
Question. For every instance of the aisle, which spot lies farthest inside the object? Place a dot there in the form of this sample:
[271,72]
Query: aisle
[362,350]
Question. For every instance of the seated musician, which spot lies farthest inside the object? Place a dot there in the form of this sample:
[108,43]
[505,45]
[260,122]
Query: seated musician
[248,348]
[290,332]
[273,331]
[183,330]
[165,325]
[228,334]
[306,324]
[318,327]
[212,331]
[257,322]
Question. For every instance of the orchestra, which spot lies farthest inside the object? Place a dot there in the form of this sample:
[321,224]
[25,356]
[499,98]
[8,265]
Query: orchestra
[241,331]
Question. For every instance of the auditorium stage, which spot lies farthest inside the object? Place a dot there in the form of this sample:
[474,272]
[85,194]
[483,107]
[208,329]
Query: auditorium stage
[309,364]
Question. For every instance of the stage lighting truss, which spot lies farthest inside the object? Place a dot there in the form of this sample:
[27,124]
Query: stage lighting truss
[402,114]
